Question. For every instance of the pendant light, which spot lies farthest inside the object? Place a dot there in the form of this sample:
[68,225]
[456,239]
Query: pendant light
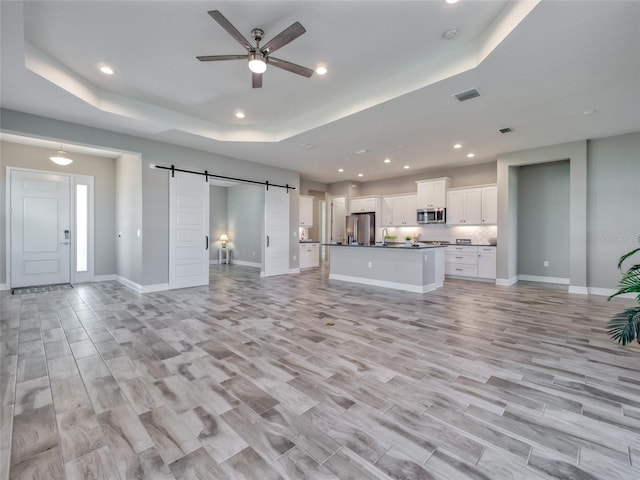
[61,158]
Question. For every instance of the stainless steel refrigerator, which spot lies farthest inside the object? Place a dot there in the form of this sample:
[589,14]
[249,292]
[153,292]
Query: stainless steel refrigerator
[361,228]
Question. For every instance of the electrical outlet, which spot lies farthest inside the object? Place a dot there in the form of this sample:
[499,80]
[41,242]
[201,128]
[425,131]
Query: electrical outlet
[294,257]
[546,263]
[370,265]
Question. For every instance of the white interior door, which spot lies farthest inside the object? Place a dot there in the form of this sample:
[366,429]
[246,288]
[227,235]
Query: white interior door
[276,227]
[188,231]
[40,229]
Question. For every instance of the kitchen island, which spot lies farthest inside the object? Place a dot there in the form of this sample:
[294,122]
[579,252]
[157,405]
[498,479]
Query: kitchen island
[417,269]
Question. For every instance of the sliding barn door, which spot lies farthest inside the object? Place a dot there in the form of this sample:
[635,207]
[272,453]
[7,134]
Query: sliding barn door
[276,227]
[188,231]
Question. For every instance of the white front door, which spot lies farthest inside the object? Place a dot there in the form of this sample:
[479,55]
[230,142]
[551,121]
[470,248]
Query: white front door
[188,231]
[40,229]
[276,227]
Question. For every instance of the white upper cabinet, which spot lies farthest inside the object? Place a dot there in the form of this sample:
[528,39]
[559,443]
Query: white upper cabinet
[306,211]
[364,204]
[490,205]
[399,211]
[404,210]
[433,193]
[386,219]
[472,206]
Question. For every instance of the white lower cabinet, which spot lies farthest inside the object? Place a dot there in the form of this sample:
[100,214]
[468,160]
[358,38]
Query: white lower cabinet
[470,261]
[487,262]
[309,255]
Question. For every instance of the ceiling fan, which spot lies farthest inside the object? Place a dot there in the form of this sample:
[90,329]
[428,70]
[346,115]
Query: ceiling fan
[259,57]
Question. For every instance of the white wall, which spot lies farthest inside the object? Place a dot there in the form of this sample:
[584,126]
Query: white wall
[128,232]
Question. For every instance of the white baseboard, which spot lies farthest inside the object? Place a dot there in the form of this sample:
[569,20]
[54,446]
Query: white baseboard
[158,287]
[244,263]
[4,286]
[386,284]
[213,262]
[136,287]
[105,278]
[607,292]
[578,290]
[506,282]
[294,270]
[538,278]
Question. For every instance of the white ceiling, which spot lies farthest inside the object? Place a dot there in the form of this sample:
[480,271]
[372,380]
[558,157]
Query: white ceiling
[539,67]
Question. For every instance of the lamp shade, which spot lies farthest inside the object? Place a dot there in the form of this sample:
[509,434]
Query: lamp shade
[224,238]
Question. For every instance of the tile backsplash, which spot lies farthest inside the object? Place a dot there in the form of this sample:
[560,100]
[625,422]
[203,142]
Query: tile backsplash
[478,234]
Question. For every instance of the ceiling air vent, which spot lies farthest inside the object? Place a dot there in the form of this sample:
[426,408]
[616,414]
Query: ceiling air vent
[467,95]
[505,130]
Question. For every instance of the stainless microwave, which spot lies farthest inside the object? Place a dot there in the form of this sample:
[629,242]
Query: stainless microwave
[432,215]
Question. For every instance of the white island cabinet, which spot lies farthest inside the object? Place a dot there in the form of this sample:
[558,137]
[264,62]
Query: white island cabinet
[413,269]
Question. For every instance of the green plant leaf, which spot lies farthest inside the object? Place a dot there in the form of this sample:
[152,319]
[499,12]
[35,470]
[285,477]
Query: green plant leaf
[625,326]
[627,255]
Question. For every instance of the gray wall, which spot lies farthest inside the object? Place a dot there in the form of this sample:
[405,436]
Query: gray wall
[245,220]
[482,174]
[543,219]
[155,183]
[614,205]
[576,153]
[128,218]
[103,169]
[217,219]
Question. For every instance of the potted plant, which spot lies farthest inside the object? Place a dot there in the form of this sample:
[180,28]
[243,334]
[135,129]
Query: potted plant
[625,326]
[408,241]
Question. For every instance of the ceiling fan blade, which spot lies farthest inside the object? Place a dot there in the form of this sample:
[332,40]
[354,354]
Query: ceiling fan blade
[290,67]
[256,80]
[231,30]
[287,35]
[215,58]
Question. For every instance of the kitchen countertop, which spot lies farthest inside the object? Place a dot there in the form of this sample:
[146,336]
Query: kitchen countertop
[395,246]
[309,241]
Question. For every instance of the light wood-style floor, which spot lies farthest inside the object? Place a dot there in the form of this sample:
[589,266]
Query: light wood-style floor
[300,377]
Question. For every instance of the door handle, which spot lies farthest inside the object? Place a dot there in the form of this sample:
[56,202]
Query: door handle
[267,241]
[206,247]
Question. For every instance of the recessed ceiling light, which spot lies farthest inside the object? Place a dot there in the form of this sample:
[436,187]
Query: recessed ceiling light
[239,114]
[451,2]
[406,167]
[457,145]
[589,112]
[361,151]
[341,170]
[106,70]
[387,160]
[361,174]
[321,70]
[471,155]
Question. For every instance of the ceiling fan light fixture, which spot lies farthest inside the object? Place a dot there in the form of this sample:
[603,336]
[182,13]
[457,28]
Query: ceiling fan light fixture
[257,63]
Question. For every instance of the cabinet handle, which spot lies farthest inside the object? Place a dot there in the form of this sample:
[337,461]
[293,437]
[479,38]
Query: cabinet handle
[458,269]
[206,243]
[267,241]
